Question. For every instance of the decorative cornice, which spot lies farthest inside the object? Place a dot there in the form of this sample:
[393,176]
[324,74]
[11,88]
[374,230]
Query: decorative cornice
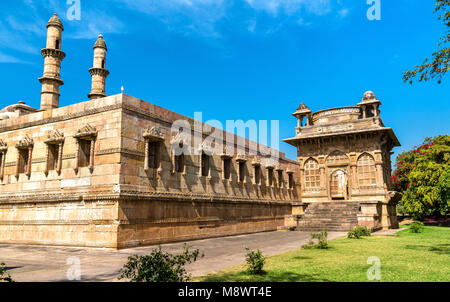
[26,142]
[87,131]
[154,134]
[119,194]
[3,146]
[54,137]
[240,158]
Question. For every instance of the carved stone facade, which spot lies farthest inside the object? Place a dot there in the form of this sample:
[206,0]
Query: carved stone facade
[105,173]
[344,155]
[87,180]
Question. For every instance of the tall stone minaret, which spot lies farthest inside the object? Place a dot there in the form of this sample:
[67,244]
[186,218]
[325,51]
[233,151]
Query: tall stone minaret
[98,71]
[52,65]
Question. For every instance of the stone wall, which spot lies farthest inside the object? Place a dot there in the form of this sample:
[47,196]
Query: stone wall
[116,202]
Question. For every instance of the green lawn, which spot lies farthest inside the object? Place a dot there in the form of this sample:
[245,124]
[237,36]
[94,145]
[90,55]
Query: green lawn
[404,257]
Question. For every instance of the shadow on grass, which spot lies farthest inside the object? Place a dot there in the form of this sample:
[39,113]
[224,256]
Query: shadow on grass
[245,276]
[301,258]
[442,249]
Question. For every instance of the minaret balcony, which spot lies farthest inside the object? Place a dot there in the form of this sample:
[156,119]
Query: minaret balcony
[54,53]
[99,71]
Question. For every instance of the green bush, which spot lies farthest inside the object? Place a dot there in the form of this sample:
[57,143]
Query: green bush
[159,266]
[416,227]
[322,241]
[359,231]
[4,277]
[255,262]
[353,234]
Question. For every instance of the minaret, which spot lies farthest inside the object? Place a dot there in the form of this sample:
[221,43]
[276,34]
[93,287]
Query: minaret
[52,65]
[98,71]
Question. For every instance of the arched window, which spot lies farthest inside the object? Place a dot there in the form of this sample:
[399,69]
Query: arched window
[366,171]
[312,175]
[337,157]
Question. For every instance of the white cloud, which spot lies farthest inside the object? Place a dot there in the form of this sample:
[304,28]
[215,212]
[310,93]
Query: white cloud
[343,12]
[92,24]
[204,17]
[4,58]
[290,7]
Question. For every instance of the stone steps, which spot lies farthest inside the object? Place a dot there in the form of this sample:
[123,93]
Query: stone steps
[329,216]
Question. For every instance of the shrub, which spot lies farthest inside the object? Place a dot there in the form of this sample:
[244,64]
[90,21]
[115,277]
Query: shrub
[322,242]
[159,266]
[4,277]
[353,234]
[359,231]
[416,227]
[255,262]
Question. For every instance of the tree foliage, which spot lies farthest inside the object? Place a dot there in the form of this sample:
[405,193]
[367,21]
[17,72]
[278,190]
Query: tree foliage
[423,176]
[4,277]
[159,266]
[439,64]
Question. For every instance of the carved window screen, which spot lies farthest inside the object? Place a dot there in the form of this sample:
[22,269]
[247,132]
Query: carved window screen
[366,171]
[312,175]
[84,158]
[179,163]
[153,142]
[257,175]
[85,137]
[291,180]
[270,176]
[227,168]
[280,178]
[24,156]
[205,165]
[241,171]
[54,143]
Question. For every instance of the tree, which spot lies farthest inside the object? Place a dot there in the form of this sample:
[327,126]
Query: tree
[439,64]
[4,277]
[423,176]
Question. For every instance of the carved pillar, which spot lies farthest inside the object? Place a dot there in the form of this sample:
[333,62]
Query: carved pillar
[323,179]
[91,157]
[3,150]
[47,159]
[60,158]
[30,155]
[146,163]
[77,156]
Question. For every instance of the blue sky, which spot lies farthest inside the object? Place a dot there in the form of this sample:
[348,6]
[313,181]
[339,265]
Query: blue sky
[238,59]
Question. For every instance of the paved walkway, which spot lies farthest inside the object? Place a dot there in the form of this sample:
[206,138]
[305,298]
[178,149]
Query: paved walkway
[40,263]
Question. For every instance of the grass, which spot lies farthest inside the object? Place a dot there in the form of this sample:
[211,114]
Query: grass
[406,257]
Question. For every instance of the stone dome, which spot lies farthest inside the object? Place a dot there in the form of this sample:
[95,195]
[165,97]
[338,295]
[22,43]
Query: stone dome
[55,21]
[100,43]
[369,96]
